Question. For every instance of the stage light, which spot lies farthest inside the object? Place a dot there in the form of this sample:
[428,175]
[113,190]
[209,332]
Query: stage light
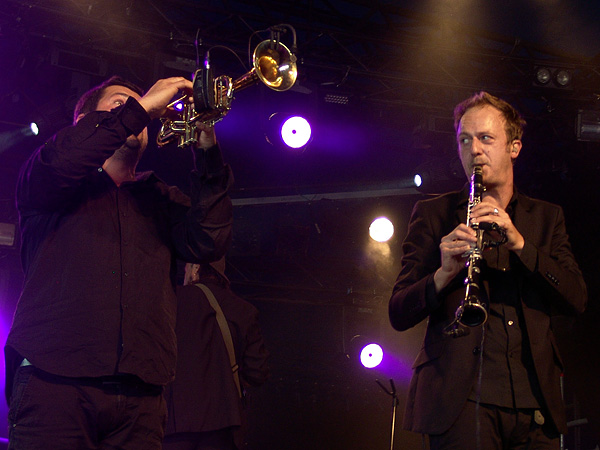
[336,99]
[562,77]
[295,132]
[16,134]
[423,178]
[288,130]
[418,180]
[381,229]
[365,351]
[553,77]
[543,75]
[371,355]
[588,126]
[33,127]
[438,175]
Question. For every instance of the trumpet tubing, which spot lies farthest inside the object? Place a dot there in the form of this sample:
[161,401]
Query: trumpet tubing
[273,64]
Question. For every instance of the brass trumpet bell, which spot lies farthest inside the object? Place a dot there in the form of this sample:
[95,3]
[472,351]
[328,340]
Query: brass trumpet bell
[273,64]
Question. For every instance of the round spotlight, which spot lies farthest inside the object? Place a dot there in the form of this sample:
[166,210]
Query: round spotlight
[562,77]
[34,129]
[30,130]
[418,180]
[296,132]
[371,355]
[381,229]
[178,106]
[543,75]
[288,131]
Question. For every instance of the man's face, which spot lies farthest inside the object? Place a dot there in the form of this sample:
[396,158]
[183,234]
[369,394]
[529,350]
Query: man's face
[115,96]
[482,141]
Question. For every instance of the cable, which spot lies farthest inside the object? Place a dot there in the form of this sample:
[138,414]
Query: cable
[478,396]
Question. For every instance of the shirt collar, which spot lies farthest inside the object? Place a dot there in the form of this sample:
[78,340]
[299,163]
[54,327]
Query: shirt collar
[464,198]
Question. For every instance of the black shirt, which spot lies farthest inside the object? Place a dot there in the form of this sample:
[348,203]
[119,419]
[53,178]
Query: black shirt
[99,259]
[508,373]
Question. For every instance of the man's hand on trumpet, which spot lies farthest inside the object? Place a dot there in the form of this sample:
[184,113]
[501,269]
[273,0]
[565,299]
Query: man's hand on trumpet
[160,95]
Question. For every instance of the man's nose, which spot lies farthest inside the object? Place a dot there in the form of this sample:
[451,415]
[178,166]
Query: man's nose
[476,147]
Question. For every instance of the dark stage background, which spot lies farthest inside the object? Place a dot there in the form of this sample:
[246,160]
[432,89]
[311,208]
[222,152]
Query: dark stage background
[301,252]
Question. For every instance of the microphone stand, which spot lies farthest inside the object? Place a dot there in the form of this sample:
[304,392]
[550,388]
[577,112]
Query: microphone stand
[395,402]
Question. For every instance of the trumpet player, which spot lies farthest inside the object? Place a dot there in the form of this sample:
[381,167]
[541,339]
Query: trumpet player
[496,385]
[92,341]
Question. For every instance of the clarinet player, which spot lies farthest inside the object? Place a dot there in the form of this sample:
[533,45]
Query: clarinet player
[494,385]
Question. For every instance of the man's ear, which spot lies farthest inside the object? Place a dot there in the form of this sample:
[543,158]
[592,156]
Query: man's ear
[515,148]
[79,117]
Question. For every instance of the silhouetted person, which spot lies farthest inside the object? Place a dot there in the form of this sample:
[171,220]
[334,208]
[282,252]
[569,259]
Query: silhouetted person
[206,411]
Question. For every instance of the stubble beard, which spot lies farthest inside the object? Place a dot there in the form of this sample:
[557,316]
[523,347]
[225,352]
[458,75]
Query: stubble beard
[131,151]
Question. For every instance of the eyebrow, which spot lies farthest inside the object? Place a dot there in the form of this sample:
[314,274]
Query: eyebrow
[123,94]
[478,133]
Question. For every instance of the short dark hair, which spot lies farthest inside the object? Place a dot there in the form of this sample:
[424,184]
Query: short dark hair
[89,101]
[515,124]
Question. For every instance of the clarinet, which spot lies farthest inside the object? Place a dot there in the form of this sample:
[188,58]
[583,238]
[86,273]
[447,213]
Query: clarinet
[472,311]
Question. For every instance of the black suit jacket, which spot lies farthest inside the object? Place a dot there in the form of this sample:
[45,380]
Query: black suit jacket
[203,396]
[446,368]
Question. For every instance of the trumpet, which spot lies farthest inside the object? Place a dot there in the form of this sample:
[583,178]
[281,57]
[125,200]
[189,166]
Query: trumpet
[273,64]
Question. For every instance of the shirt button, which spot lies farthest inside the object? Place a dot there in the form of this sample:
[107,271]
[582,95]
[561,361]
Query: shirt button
[126,274]
[510,322]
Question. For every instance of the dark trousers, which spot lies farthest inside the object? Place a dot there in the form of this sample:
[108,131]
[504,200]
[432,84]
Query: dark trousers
[208,440]
[493,428]
[52,412]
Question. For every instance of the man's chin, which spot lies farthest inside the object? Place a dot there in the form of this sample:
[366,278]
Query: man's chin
[131,151]
[133,143]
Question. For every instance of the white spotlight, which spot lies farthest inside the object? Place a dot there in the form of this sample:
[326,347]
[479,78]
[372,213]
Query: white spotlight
[418,180]
[381,229]
[296,132]
[286,131]
[371,355]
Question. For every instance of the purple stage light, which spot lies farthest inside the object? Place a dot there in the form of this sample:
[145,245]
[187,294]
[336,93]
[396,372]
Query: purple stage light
[371,355]
[285,131]
[295,132]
